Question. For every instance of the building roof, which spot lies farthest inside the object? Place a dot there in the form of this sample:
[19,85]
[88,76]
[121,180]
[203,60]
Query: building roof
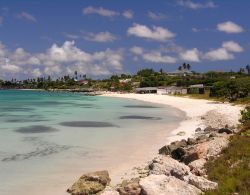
[184,71]
[196,86]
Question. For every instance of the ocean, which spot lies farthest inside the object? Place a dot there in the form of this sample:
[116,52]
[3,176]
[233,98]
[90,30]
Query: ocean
[49,139]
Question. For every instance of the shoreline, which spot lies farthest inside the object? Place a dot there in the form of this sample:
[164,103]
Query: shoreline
[199,114]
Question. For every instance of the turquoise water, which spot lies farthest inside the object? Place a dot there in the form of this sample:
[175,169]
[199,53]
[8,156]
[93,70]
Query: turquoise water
[47,140]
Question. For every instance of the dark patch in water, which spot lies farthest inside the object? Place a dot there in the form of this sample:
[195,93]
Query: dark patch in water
[38,152]
[16,109]
[87,124]
[140,106]
[140,117]
[22,120]
[36,129]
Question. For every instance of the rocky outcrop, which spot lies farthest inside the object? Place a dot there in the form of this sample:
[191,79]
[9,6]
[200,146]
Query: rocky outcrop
[131,187]
[197,167]
[168,166]
[200,182]
[166,185]
[90,183]
[109,191]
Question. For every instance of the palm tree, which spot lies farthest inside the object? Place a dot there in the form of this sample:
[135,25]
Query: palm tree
[188,66]
[248,69]
[76,74]
[180,68]
[184,66]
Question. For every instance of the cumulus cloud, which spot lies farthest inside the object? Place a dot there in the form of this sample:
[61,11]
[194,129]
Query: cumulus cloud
[58,60]
[27,16]
[101,37]
[229,27]
[157,33]
[152,56]
[232,46]
[192,55]
[129,14]
[100,11]
[156,16]
[136,50]
[225,52]
[193,5]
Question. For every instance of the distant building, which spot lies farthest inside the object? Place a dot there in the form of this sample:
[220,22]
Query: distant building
[172,90]
[83,82]
[196,89]
[124,80]
[183,72]
[144,90]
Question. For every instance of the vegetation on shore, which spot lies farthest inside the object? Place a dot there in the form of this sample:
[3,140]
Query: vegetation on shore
[223,86]
[232,169]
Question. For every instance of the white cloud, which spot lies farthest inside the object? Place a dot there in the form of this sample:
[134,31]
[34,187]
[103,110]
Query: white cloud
[232,46]
[193,5]
[229,27]
[156,33]
[218,54]
[71,36]
[59,60]
[192,55]
[27,16]
[157,57]
[101,37]
[156,16]
[136,50]
[151,56]
[100,11]
[129,14]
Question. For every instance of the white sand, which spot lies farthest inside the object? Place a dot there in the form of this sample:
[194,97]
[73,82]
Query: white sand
[194,109]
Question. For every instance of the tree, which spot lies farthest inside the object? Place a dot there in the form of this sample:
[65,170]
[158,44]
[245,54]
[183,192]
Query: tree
[180,68]
[188,66]
[184,65]
[76,74]
[248,69]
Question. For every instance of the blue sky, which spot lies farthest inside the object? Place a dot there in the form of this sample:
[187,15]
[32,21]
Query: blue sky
[99,38]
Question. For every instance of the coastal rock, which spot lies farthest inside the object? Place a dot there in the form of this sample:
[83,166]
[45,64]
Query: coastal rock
[109,191]
[178,153]
[191,141]
[198,130]
[201,183]
[209,129]
[197,152]
[90,183]
[216,145]
[168,166]
[181,133]
[131,187]
[166,185]
[173,146]
[197,167]
[225,130]
[201,138]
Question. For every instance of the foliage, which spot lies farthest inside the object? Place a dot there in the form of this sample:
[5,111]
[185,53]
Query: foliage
[232,169]
[245,115]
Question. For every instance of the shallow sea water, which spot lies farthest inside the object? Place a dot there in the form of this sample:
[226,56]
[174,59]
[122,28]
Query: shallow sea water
[48,140]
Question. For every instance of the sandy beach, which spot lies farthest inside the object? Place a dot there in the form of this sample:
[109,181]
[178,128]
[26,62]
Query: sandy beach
[199,113]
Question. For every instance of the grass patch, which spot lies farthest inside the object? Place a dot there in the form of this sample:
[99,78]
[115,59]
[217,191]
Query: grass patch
[232,169]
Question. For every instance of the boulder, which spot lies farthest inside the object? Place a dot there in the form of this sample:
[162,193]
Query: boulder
[216,145]
[178,153]
[166,150]
[209,129]
[197,152]
[191,141]
[225,130]
[198,130]
[166,185]
[90,183]
[201,138]
[197,167]
[165,165]
[109,191]
[131,187]
[201,183]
